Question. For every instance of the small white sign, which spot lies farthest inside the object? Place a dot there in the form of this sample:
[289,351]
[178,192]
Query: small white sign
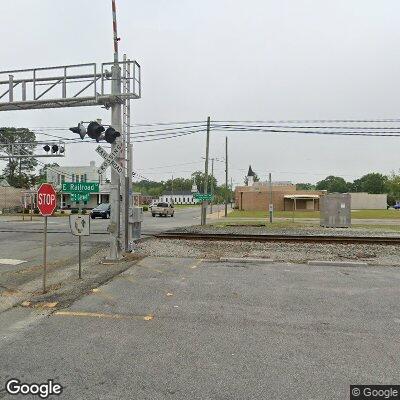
[79,224]
[343,205]
[271,207]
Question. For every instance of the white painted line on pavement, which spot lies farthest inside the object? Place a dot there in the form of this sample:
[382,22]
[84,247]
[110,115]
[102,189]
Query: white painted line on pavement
[246,260]
[10,261]
[339,263]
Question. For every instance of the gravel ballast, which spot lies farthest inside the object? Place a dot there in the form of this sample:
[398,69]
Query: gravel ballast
[373,254]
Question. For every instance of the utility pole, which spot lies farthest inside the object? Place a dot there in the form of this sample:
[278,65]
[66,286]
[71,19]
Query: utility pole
[226,177]
[231,191]
[204,204]
[271,204]
[115,245]
[172,189]
[212,184]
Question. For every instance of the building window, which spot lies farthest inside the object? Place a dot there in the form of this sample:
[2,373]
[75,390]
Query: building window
[62,178]
[76,178]
[85,177]
[73,178]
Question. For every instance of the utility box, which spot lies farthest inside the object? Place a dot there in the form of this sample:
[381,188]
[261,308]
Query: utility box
[135,222]
[335,210]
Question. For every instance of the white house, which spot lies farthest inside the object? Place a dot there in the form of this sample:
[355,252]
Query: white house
[178,197]
[86,173]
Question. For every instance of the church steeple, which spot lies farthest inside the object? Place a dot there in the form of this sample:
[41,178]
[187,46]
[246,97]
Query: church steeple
[250,177]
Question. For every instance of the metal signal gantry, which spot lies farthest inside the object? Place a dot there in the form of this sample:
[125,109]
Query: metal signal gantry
[65,86]
[44,149]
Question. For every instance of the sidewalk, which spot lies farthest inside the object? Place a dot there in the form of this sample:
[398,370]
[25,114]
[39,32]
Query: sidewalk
[218,211]
[62,283]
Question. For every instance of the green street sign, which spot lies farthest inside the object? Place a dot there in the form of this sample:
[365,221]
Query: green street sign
[78,197]
[203,197]
[80,187]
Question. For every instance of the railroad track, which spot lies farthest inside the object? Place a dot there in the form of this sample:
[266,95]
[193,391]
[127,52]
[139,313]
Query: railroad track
[281,238]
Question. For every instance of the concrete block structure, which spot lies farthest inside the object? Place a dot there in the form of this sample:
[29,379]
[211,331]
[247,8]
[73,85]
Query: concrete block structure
[368,201]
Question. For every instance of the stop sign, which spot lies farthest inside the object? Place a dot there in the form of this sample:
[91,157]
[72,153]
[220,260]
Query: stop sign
[46,199]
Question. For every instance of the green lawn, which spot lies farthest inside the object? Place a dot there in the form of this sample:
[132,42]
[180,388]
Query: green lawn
[278,214]
[362,214]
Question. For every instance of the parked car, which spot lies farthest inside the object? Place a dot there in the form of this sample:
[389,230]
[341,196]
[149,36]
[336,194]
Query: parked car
[397,206]
[103,210]
[162,209]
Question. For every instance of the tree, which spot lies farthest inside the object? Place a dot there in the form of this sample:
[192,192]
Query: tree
[393,188]
[178,184]
[305,186]
[18,169]
[41,177]
[199,178]
[333,184]
[370,183]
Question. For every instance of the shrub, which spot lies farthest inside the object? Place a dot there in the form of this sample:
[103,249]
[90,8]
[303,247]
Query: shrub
[36,211]
[62,212]
[84,211]
[26,211]
[145,208]
[74,211]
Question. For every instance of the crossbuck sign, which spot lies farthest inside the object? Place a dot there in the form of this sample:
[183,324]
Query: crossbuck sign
[109,159]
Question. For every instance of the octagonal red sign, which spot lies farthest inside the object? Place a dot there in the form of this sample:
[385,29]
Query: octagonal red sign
[46,199]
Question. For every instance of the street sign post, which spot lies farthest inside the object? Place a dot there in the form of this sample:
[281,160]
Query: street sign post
[46,202]
[203,197]
[80,187]
[46,199]
[80,191]
[80,226]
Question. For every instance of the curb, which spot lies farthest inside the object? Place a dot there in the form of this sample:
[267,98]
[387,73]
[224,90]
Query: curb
[338,263]
[246,260]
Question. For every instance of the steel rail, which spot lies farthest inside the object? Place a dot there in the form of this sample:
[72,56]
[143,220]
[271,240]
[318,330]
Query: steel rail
[281,238]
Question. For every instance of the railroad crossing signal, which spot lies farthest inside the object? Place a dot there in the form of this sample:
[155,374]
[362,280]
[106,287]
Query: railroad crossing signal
[46,199]
[95,131]
[109,159]
[80,130]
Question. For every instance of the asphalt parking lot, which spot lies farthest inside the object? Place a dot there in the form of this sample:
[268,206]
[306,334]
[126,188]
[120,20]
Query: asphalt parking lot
[180,328]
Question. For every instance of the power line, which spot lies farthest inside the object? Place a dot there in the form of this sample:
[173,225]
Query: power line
[378,134]
[303,121]
[307,127]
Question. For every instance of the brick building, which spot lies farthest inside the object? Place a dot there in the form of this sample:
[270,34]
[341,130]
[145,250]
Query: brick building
[256,196]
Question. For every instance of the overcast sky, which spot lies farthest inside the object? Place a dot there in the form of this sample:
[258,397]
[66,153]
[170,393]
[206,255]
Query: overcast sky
[232,60]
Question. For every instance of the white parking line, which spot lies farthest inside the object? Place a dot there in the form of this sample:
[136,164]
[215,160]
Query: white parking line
[10,261]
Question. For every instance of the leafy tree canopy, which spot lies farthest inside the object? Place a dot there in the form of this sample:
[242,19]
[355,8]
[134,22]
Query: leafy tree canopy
[333,184]
[370,183]
[18,170]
